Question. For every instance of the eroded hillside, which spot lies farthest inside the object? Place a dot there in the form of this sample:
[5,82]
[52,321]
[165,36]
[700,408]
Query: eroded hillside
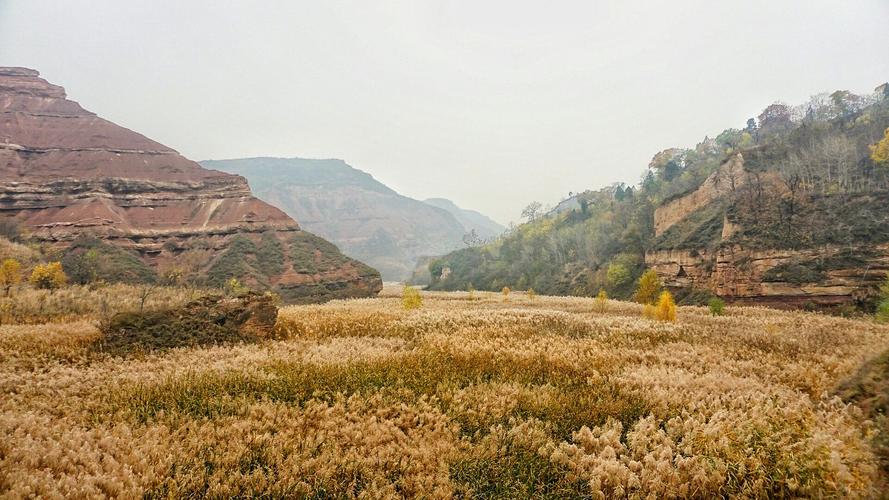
[67,174]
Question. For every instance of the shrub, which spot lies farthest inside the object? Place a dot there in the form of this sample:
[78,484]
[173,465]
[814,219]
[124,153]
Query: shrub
[883,311]
[717,306]
[234,288]
[471,291]
[883,305]
[649,311]
[531,293]
[411,298]
[10,274]
[649,288]
[879,152]
[602,301]
[207,321]
[11,229]
[617,274]
[48,276]
[666,308]
[505,292]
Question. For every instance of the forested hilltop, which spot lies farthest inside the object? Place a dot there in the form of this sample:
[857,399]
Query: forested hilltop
[792,207]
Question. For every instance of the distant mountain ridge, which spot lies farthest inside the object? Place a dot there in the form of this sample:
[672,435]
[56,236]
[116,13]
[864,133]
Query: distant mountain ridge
[484,226]
[361,215]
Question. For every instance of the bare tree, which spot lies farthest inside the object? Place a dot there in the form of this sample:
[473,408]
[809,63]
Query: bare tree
[144,293]
[472,239]
[532,211]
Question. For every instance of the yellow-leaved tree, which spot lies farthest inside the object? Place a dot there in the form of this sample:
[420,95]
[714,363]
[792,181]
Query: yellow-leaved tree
[49,276]
[649,288]
[411,298]
[505,292]
[666,308]
[10,274]
[602,301]
[879,152]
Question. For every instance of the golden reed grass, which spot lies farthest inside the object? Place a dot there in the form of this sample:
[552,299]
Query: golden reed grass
[467,396]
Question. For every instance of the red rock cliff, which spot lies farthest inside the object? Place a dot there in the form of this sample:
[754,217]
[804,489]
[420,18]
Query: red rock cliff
[65,172]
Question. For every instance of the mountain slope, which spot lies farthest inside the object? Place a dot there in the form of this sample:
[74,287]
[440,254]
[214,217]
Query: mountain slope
[790,211]
[66,174]
[484,226]
[366,219]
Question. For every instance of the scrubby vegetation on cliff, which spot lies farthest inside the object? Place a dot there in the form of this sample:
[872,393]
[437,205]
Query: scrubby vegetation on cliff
[811,175]
[88,259]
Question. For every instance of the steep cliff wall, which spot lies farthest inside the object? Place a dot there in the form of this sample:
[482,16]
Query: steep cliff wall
[65,172]
[699,246]
[729,177]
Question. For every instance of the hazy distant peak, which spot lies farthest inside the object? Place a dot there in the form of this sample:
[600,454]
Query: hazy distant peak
[484,226]
[329,173]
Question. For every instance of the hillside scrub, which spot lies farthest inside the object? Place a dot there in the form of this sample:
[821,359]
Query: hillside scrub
[546,397]
[88,260]
[812,175]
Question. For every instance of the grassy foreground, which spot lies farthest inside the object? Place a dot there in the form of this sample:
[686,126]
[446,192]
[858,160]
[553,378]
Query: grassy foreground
[465,397]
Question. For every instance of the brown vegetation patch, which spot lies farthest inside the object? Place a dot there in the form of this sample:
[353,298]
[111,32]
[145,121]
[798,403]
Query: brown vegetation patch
[206,321]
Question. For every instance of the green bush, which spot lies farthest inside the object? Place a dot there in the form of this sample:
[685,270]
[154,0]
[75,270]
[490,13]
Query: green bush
[882,314]
[717,306]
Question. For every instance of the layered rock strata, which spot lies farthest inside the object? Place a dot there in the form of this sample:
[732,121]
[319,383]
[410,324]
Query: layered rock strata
[65,172]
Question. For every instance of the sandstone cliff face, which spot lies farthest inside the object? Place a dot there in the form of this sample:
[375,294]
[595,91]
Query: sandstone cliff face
[824,275]
[730,176]
[65,172]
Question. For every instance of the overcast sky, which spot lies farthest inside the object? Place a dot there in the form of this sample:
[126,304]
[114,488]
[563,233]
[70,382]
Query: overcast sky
[489,103]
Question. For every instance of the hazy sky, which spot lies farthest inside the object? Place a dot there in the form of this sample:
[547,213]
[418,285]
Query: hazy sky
[489,103]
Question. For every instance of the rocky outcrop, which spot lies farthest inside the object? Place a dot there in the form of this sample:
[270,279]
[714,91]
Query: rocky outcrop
[825,276]
[65,172]
[729,264]
[729,177]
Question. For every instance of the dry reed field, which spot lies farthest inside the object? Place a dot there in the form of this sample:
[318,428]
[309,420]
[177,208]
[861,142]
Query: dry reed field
[467,396]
